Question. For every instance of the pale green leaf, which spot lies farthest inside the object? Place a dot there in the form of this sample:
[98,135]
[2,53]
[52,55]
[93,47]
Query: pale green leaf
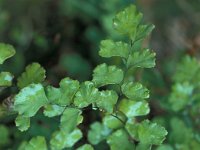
[119,140]
[134,108]
[53,110]
[107,100]
[86,95]
[104,75]
[6,79]
[38,142]
[22,123]
[6,51]
[97,133]
[29,100]
[135,91]
[85,147]
[109,48]
[69,119]
[34,73]
[127,21]
[144,59]
[62,140]
[64,95]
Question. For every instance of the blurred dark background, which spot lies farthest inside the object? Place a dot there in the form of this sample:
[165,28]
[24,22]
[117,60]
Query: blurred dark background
[64,35]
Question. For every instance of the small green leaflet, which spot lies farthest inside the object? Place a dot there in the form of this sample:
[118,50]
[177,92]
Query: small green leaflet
[147,133]
[62,140]
[6,51]
[97,133]
[34,73]
[135,91]
[143,31]
[23,123]
[109,48]
[127,21]
[29,100]
[64,95]
[181,96]
[86,95]
[104,75]
[86,147]
[107,100]
[144,59]
[69,119]
[53,110]
[134,108]
[6,79]
[119,140]
[112,122]
[38,142]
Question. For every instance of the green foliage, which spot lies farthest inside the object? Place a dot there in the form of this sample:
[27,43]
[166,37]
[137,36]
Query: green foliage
[6,51]
[6,79]
[112,91]
[34,73]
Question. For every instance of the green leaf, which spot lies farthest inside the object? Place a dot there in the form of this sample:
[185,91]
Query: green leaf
[164,147]
[34,73]
[143,31]
[97,133]
[143,59]
[109,48]
[112,122]
[69,120]
[127,21]
[62,140]
[147,133]
[29,100]
[104,75]
[36,143]
[6,79]
[134,108]
[53,110]
[64,95]
[119,140]
[135,91]
[86,95]
[85,147]
[180,96]
[23,123]
[4,136]
[6,51]
[107,100]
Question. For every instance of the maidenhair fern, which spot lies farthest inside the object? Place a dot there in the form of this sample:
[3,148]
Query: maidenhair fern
[119,98]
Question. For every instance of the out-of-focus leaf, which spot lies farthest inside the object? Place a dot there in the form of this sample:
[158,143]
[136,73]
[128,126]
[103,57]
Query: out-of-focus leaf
[62,140]
[6,51]
[6,79]
[85,147]
[23,123]
[53,110]
[120,140]
[69,119]
[36,143]
[97,133]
